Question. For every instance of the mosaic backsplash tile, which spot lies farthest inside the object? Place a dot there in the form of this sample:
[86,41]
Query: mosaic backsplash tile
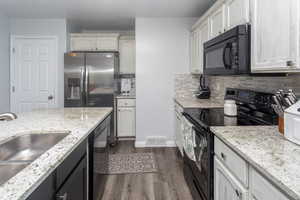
[187,84]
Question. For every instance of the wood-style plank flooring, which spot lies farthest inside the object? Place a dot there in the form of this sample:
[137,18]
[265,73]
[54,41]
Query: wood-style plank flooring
[167,184]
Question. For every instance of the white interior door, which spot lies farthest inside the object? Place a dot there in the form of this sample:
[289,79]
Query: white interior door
[33,73]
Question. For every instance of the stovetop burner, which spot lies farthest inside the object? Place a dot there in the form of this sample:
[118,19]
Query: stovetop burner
[251,111]
[207,117]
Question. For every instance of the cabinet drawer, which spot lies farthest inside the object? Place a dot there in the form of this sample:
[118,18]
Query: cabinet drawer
[260,188]
[64,170]
[126,102]
[232,161]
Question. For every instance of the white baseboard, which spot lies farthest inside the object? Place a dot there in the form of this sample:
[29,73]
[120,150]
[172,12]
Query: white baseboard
[142,144]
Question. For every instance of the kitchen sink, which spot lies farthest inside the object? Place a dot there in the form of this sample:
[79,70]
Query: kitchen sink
[8,170]
[28,147]
[18,152]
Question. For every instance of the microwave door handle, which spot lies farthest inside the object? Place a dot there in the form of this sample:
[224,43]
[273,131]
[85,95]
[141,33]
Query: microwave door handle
[227,66]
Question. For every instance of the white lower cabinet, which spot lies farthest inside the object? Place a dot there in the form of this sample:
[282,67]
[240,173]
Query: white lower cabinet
[227,187]
[229,181]
[261,189]
[126,118]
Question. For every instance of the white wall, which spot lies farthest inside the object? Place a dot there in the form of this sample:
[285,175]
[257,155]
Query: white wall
[162,50]
[4,64]
[46,27]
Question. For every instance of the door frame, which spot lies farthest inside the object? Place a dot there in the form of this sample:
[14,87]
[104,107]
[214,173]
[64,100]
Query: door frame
[13,38]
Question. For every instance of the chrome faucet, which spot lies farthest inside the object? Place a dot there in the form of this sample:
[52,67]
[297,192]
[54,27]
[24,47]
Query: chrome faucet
[8,116]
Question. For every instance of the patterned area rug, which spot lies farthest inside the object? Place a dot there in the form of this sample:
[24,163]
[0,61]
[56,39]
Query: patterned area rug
[126,163]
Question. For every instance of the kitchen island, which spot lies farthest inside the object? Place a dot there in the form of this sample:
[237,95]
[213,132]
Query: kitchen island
[78,122]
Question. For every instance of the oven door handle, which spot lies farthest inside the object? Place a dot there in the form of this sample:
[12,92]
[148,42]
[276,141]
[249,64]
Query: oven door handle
[227,46]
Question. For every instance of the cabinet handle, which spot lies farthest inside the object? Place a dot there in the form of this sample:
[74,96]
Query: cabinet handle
[62,197]
[223,156]
[238,194]
[290,63]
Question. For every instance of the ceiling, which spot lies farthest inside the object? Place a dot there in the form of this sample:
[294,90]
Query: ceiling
[103,14]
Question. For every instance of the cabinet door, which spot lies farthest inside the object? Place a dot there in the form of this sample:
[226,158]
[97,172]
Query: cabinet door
[217,21]
[261,189]
[127,56]
[83,43]
[237,12]
[75,187]
[203,37]
[275,35]
[107,44]
[195,52]
[226,186]
[126,121]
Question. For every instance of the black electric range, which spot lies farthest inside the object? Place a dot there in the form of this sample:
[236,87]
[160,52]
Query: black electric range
[253,109]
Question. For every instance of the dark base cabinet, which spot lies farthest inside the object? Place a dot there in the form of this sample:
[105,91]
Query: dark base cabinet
[75,178]
[75,186]
[68,181]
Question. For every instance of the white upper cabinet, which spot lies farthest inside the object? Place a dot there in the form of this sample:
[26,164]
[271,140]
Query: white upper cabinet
[107,44]
[275,35]
[195,64]
[83,43]
[237,12]
[127,56]
[217,20]
[94,42]
[198,37]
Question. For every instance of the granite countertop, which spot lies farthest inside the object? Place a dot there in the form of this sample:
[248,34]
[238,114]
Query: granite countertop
[78,121]
[125,96]
[198,103]
[268,152]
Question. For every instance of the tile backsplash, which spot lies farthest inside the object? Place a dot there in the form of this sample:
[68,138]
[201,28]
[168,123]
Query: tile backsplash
[186,84]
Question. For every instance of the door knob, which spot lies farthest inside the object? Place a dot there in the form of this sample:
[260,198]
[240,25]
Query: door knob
[50,97]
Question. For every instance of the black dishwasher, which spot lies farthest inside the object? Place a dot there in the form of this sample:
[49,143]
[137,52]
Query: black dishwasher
[99,151]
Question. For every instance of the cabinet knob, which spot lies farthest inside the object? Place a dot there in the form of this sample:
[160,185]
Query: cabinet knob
[62,197]
[50,97]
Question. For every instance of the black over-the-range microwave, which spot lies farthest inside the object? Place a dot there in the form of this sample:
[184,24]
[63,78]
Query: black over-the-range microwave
[228,53]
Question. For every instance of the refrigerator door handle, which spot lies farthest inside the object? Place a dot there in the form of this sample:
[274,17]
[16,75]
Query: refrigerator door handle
[87,85]
[82,84]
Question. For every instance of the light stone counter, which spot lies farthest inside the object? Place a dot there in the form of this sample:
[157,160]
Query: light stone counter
[268,152]
[199,103]
[79,121]
[125,97]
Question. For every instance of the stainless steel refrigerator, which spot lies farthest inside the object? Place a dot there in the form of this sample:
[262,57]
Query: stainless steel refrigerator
[92,80]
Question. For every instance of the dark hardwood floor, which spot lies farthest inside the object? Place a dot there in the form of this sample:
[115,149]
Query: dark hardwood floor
[167,184]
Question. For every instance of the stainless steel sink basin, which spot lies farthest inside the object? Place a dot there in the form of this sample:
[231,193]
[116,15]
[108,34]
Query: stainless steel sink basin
[28,147]
[18,152]
[8,170]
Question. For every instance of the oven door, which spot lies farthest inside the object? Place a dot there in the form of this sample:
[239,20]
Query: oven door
[201,167]
[221,58]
